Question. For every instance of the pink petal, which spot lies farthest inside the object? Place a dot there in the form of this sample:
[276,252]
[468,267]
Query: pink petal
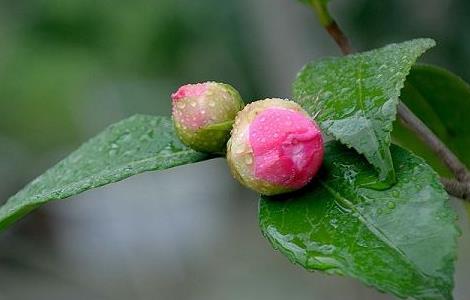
[287,147]
[189,90]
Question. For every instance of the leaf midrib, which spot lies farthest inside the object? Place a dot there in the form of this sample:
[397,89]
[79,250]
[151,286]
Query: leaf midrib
[370,129]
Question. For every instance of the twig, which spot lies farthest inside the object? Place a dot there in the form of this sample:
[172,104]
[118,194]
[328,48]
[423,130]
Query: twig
[340,38]
[435,144]
[456,188]
[320,8]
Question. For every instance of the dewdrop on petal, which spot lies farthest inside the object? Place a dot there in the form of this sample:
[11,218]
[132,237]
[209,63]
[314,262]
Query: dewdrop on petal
[203,115]
[275,147]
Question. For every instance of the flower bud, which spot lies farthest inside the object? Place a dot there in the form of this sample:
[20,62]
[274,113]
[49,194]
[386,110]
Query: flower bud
[275,147]
[203,115]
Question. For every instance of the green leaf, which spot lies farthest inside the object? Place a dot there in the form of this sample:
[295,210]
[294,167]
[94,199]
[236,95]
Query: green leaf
[355,98]
[442,101]
[401,240]
[132,146]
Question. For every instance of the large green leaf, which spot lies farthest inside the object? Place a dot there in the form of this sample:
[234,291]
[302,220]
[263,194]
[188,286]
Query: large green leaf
[132,146]
[354,98]
[401,240]
[442,101]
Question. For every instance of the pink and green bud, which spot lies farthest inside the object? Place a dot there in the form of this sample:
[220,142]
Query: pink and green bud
[275,147]
[204,113]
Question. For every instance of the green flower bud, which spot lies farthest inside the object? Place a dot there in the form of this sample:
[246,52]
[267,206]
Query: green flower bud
[203,115]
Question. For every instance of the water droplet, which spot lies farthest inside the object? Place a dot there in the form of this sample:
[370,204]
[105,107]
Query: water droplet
[87,184]
[211,103]
[248,160]
[395,194]
[334,223]
[391,205]
[193,103]
[181,105]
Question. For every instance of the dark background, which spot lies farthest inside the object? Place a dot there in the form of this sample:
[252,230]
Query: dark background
[69,68]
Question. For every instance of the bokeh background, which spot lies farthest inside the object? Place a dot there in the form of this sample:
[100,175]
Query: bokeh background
[69,68]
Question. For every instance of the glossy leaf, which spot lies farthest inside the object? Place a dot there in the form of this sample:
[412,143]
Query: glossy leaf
[354,98]
[401,240]
[442,101]
[132,146]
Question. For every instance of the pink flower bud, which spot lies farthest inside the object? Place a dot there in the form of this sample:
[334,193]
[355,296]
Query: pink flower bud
[275,147]
[203,115]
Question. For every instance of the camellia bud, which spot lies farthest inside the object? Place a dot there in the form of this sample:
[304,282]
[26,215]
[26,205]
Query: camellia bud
[275,147]
[204,113]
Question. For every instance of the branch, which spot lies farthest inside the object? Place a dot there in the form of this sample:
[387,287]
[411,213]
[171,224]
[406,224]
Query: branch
[434,143]
[456,188]
[326,20]
[340,38]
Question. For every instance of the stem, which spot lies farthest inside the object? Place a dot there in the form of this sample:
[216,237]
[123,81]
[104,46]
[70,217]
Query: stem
[326,20]
[341,40]
[456,188]
[321,10]
[434,143]
[460,188]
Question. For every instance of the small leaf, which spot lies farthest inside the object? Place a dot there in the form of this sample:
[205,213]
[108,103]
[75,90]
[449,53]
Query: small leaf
[401,240]
[355,97]
[442,101]
[132,146]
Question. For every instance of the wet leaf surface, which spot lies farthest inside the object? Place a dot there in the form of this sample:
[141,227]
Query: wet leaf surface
[401,240]
[132,146]
[354,98]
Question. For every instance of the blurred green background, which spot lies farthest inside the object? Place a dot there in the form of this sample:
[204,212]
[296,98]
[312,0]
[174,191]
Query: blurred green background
[69,68]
